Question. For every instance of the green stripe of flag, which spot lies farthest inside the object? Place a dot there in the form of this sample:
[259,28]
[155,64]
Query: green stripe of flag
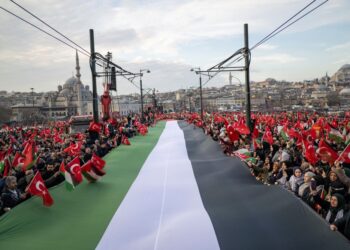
[78,219]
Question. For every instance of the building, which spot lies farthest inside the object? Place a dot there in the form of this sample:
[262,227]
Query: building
[344,96]
[73,98]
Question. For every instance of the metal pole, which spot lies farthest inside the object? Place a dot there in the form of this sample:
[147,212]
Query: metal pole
[93,73]
[32,89]
[141,96]
[247,81]
[200,93]
[154,100]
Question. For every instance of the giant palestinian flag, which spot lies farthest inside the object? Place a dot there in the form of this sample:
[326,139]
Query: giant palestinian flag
[173,189]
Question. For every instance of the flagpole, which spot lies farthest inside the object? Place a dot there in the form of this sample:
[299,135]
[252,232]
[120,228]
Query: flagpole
[31,181]
[343,152]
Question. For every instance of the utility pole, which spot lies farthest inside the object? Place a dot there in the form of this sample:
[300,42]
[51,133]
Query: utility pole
[199,72]
[32,89]
[141,96]
[201,95]
[141,91]
[247,80]
[93,73]
[154,100]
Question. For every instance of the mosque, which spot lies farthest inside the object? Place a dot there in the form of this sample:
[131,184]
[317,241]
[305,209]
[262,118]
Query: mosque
[73,98]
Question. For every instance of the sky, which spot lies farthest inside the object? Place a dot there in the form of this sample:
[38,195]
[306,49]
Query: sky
[169,37]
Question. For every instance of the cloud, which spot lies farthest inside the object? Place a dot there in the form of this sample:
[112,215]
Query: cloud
[343,46]
[277,58]
[267,46]
[145,34]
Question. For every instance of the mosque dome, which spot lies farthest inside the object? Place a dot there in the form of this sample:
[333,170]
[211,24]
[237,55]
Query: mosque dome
[65,92]
[345,92]
[71,82]
[345,67]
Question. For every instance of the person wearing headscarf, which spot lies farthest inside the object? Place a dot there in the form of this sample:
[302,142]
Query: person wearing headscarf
[307,183]
[334,185]
[342,175]
[296,180]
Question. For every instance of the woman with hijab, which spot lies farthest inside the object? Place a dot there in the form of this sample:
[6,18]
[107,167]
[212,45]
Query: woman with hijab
[296,180]
[334,208]
[334,185]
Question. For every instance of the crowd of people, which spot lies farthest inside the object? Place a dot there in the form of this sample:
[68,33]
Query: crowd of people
[52,144]
[301,152]
[307,154]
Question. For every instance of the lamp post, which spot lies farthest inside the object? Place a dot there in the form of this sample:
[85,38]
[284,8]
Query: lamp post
[141,90]
[197,70]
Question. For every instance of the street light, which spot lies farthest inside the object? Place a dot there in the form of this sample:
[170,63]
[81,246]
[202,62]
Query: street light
[141,90]
[197,70]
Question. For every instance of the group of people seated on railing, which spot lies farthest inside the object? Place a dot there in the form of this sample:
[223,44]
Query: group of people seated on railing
[301,154]
[50,146]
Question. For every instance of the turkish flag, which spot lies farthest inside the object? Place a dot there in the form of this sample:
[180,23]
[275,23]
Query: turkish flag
[7,167]
[242,128]
[326,151]
[17,159]
[98,161]
[199,124]
[73,149]
[37,187]
[74,169]
[255,133]
[143,131]
[345,155]
[125,140]
[268,136]
[95,126]
[309,153]
[28,153]
[232,133]
[92,172]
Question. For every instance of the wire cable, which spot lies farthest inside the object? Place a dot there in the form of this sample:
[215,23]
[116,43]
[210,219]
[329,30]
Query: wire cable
[47,33]
[266,37]
[49,26]
[307,13]
[275,32]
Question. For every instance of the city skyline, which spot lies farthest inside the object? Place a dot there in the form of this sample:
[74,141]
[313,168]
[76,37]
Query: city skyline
[169,38]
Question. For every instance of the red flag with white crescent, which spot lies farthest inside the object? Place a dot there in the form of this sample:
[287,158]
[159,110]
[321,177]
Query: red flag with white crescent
[345,155]
[325,151]
[125,140]
[74,169]
[98,161]
[37,187]
[268,136]
[19,158]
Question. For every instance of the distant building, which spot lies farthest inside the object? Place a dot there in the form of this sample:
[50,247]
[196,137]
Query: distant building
[344,96]
[73,98]
[342,76]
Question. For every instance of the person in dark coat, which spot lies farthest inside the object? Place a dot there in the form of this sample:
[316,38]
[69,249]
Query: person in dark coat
[11,196]
[343,225]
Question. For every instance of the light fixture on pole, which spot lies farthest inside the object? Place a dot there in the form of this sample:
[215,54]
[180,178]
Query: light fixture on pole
[141,90]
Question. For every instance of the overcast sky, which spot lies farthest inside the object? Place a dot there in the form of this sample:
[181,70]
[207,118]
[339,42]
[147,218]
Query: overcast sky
[169,37]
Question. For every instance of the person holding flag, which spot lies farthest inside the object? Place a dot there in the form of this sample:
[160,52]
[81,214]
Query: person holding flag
[11,195]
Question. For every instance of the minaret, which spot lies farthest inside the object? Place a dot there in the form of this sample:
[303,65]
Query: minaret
[79,85]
